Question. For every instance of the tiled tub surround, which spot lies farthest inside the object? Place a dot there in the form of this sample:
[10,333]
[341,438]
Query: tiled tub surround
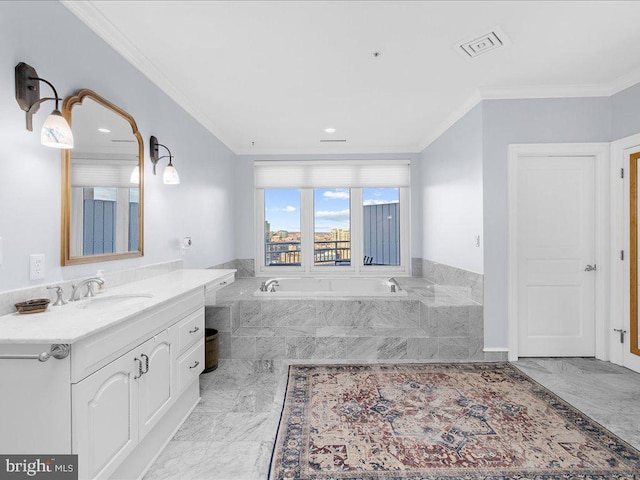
[112,279]
[245,267]
[441,274]
[432,323]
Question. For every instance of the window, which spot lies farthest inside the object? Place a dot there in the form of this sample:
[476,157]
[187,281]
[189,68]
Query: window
[332,217]
[381,226]
[332,227]
[282,233]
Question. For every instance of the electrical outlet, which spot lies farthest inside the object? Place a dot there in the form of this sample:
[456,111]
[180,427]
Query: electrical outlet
[36,266]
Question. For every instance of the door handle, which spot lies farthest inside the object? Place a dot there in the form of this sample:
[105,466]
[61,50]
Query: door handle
[146,362]
[140,372]
[194,330]
[621,331]
[590,268]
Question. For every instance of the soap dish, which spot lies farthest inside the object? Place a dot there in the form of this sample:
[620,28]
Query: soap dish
[33,306]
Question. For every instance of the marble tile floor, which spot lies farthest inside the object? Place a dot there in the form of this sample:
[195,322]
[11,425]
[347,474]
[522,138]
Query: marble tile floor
[230,433]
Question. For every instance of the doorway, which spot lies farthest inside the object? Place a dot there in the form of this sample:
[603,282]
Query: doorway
[557,249]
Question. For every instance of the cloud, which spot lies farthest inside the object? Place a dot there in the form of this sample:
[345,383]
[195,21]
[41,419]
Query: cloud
[287,209]
[373,201]
[338,215]
[336,195]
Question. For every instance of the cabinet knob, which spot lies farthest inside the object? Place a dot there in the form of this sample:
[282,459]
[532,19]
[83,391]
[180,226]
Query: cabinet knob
[195,364]
[194,330]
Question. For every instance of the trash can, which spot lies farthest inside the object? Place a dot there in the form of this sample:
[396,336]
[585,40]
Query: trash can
[210,350]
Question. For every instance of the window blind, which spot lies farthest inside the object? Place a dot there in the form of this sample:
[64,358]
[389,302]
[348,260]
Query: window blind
[333,173]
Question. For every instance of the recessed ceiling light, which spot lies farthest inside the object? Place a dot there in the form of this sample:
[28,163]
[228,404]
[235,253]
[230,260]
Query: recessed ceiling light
[330,130]
[104,130]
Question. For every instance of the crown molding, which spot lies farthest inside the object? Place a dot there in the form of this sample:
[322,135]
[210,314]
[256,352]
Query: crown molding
[91,16]
[543,91]
[399,150]
[451,120]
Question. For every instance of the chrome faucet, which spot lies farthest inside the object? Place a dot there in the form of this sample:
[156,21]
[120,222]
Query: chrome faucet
[271,283]
[87,282]
[394,285]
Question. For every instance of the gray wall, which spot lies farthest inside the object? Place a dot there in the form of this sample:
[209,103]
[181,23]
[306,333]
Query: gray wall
[245,223]
[450,191]
[625,113]
[63,50]
[523,121]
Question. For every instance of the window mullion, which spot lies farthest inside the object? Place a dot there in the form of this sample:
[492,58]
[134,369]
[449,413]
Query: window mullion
[356,229]
[307,228]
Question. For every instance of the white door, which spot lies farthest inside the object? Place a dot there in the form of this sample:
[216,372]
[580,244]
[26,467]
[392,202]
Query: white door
[556,243]
[104,417]
[156,384]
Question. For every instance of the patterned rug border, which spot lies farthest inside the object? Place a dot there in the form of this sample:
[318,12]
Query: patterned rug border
[623,448]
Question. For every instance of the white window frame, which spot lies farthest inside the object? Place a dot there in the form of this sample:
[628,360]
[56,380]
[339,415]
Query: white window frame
[357,268]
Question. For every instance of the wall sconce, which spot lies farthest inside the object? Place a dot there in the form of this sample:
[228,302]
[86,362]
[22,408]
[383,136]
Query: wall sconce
[56,132]
[170,176]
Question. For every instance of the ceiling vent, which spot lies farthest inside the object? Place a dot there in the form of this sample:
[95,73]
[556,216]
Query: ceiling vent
[487,42]
[332,141]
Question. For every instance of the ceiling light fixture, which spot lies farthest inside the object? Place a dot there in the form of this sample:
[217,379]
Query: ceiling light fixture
[104,130]
[330,130]
[170,176]
[56,132]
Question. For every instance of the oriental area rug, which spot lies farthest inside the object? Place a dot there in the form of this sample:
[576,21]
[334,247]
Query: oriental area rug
[438,421]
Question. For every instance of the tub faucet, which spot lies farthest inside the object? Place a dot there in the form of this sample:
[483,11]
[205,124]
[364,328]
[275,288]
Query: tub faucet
[88,282]
[394,285]
[271,283]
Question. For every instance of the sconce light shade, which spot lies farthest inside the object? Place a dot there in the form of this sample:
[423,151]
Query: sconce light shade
[56,132]
[135,175]
[170,176]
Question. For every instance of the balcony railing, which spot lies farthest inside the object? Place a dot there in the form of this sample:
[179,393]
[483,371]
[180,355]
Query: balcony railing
[332,252]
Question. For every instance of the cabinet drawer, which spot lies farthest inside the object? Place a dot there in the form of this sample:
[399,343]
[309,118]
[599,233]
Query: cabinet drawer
[190,330]
[190,365]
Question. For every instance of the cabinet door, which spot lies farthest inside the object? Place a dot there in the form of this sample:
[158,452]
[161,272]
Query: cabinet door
[103,406]
[156,385]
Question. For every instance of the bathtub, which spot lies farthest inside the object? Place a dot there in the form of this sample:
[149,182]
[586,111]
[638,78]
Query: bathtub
[332,287]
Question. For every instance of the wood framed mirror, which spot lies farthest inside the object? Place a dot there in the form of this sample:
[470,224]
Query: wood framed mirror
[102,183]
[633,229]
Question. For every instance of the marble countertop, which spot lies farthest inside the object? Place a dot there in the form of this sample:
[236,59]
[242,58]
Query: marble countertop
[74,321]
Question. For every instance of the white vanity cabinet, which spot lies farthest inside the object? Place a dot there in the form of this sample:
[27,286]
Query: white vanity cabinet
[121,393]
[115,407]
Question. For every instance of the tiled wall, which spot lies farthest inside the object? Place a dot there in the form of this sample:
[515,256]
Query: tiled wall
[245,267]
[442,274]
[115,278]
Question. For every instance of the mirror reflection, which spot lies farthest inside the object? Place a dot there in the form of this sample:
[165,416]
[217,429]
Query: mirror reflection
[104,188]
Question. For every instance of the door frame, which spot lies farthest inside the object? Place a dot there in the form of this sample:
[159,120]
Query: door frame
[601,152]
[620,280]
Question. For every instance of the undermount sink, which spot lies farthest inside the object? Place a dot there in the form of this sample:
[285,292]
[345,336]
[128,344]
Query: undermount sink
[119,300]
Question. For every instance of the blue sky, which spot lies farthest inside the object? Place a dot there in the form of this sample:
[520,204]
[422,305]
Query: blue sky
[331,206]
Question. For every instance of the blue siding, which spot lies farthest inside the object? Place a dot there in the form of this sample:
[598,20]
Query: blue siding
[99,227]
[133,226]
[382,234]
